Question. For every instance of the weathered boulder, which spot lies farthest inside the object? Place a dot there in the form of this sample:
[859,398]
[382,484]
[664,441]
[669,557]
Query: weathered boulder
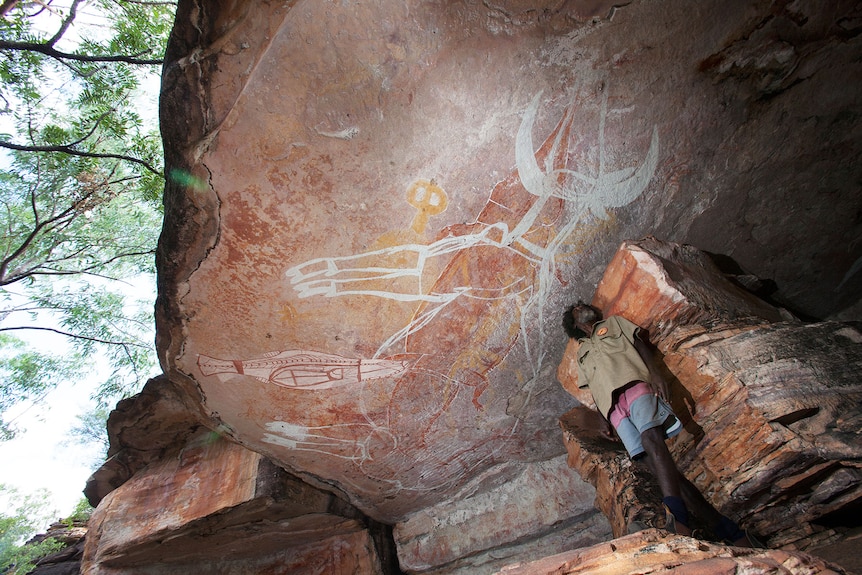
[544,507]
[67,560]
[780,411]
[215,507]
[677,292]
[142,430]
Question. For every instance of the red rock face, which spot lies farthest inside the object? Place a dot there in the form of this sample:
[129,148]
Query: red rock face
[376,211]
[389,203]
[370,313]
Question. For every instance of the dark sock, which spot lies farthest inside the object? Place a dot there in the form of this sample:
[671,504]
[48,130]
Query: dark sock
[728,530]
[677,507]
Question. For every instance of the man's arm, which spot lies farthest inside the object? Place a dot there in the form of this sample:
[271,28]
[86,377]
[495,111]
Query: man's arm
[569,376]
[647,353]
[583,395]
[586,398]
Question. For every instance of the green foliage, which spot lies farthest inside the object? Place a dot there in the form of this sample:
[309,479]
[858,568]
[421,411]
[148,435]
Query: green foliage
[20,560]
[27,374]
[80,191]
[89,431]
[82,512]
[25,516]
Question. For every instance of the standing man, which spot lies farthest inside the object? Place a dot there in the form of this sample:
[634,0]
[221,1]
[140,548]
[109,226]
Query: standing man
[617,364]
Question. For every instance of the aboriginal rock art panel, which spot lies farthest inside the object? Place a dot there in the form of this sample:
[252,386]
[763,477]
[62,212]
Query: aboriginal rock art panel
[498,271]
[507,254]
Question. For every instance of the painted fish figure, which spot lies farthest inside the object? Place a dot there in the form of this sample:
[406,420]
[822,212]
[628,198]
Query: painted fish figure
[304,369]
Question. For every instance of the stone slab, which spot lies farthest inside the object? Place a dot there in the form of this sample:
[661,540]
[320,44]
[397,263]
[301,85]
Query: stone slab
[655,551]
[216,507]
[541,499]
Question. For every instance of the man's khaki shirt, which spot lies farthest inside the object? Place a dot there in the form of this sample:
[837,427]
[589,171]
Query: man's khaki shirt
[608,360]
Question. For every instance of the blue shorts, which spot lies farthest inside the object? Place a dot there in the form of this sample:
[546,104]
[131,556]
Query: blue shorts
[644,412]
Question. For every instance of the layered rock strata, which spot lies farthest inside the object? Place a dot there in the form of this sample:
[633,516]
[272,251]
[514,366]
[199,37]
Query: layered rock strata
[66,560]
[216,507]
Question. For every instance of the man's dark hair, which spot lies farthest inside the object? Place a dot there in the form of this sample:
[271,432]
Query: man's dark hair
[585,311]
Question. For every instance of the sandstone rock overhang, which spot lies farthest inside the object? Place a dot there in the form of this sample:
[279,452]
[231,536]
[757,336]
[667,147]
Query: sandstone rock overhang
[376,211]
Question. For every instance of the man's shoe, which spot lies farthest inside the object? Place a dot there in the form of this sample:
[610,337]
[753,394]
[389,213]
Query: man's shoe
[747,540]
[730,533]
[674,526]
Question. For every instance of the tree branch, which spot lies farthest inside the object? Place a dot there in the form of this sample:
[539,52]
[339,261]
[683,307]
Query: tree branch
[92,131]
[48,50]
[52,223]
[73,11]
[67,149]
[37,228]
[42,270]
[7,6]
[77,336]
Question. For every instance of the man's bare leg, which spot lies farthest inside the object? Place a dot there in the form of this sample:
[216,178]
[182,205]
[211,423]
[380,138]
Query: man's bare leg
[673,483]
[664,468]
[724,527]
